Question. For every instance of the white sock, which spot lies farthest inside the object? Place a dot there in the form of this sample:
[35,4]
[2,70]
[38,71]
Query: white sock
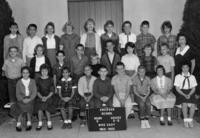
[49,123]
[18,124]
[185,120]
[161,118]
[190,119]
[169,118]
[66,121]
[40,123]
[28,123]
[69,121]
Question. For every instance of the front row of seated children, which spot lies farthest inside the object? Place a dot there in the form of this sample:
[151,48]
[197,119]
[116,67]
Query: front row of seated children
[103,91]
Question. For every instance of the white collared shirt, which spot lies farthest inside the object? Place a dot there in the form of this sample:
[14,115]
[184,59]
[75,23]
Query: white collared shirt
[123,39]
[26,85]
[161,81]
[178,51]
[178,82]
[38,62]
[12,36]
[29,46]
[51,42]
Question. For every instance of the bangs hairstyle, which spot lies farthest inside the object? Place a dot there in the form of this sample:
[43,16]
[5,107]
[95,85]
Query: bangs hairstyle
[166,24]
[26,68]
[49,24]
[103,67]
[148,46]
[37,46]
[181,35]
[80,45]
[141,67]
[86,23]
[43,67]
[160,67]
[109,22]
[120,64]
[145,22]
[124,23]
[14,24]
[186,63]
[131,45]
[60,51]
[64,29]
[13,47]
[65,68]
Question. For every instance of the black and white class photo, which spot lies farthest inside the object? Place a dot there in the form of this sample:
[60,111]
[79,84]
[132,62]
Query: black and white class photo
[99,68]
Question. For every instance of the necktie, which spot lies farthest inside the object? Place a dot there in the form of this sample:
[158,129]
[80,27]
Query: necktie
[186,78]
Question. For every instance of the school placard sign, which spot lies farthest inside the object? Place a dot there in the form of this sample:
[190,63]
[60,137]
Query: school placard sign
[107,119]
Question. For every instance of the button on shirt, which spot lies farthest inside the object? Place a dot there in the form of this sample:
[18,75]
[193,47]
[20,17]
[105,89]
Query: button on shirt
[179,81]
[29,46]
[124,38]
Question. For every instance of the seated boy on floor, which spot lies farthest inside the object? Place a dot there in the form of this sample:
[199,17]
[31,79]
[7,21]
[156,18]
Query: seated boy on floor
[102,89]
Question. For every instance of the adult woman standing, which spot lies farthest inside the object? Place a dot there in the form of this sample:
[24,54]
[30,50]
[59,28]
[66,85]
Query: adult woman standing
[183,54]
[51,42]
[69,41]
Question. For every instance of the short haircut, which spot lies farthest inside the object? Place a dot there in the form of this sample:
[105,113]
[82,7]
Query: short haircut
[124,23]
[120,64]
[37,46]
[181,35]
[43,67]
[50,24]
[160,67]
[32,25]
[60,51]
[65,68]
[141,67]
[88,66]
[80,45]
[148,46]
[166,24]
[13,47]
[130,44]
[145,22]
[103,67]
[26,68]
[110,41]
[187,63]
[109,22]
[164,45]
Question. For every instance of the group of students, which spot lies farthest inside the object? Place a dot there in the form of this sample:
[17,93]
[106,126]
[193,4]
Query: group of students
[68,73]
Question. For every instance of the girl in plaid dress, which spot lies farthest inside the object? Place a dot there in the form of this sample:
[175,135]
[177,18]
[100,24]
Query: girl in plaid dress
[67,100]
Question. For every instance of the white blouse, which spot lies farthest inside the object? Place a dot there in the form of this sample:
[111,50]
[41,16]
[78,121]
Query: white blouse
[179,79]
[39,62]
[26,84]
[51,42]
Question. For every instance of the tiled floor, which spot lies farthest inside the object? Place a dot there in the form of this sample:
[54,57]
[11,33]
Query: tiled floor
[7,130]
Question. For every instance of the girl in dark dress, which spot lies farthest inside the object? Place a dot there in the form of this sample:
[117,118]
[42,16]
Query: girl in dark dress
[183,54]
[44,101]
[66,91]
[185,84]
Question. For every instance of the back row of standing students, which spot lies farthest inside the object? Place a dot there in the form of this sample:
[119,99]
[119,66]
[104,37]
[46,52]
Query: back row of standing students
[110,51]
